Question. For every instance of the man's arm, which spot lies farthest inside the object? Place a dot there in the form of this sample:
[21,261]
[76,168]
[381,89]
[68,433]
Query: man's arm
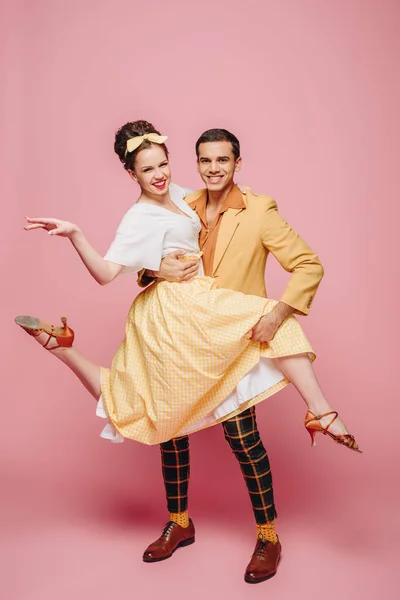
[296,257]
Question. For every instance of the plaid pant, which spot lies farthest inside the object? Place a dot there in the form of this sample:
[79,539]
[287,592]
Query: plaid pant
[242,435]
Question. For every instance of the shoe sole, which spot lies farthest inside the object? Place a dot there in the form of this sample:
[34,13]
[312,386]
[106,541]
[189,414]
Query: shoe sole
[263,578]
[260,580]
[180,545]
[27,322]
[34,324]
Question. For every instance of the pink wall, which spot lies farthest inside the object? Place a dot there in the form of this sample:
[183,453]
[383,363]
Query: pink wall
[312,90]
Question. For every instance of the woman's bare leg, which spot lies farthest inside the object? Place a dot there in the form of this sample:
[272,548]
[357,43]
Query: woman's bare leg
[86,371]
[299,370]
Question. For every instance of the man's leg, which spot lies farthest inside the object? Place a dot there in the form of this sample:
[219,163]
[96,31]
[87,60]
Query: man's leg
[243,436]
[179,531]
[244,439]
[175,461]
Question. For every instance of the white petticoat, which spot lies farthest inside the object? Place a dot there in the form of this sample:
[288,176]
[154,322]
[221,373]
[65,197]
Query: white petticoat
[262,377]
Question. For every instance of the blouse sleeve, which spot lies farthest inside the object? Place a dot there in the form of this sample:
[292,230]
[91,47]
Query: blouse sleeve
[138,243]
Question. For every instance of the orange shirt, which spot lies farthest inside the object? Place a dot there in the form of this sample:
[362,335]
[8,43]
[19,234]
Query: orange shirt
[209,232]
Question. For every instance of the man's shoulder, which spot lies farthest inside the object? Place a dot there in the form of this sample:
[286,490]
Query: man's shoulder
[259,202]
[252,200]
[193,196]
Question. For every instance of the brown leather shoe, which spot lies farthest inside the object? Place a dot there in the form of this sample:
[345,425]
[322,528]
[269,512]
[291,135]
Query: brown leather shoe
[172,537]
[264,562]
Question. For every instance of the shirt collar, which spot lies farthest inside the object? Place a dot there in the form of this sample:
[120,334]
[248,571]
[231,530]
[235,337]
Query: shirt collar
[233,200]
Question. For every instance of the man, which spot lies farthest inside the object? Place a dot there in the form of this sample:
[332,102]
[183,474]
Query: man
[238,232]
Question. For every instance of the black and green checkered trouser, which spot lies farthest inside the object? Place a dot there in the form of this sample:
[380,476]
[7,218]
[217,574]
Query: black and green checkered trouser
[243,437]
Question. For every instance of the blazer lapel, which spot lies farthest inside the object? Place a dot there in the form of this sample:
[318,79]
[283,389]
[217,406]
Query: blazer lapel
[228,226]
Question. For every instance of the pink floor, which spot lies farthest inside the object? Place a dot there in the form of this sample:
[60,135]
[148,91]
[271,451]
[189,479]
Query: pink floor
[61,540]
[87,559]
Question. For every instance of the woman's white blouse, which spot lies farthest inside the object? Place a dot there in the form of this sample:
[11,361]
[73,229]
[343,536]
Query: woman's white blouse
[149,232]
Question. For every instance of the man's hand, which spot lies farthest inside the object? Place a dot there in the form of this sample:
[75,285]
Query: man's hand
[266,328]
[174,270]
[243,188]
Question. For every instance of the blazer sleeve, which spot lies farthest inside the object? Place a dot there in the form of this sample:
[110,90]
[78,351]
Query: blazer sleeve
[295,256]
[144,278]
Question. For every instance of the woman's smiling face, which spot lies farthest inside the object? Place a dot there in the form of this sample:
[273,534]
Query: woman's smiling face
[152,171]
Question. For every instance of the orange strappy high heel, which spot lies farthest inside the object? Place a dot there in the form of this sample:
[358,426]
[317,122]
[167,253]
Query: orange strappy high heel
[64,336]
[313,425]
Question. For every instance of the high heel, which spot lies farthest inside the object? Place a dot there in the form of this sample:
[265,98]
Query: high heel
[64,336]
[313,425]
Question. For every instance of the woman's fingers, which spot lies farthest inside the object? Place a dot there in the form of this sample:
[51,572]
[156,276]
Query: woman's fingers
[52,226]
[44,220]
[35,226]
[43,223]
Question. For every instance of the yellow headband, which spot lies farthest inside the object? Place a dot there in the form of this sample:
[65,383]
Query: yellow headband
[137,141]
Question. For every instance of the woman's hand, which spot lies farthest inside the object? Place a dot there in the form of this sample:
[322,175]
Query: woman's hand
[52,226]
[103,271]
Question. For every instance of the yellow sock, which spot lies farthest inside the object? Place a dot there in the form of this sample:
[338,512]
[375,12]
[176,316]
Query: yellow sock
[267,532]
[181,518]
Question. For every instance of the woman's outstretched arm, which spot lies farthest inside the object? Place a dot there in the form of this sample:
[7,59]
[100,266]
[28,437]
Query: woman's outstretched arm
[103,271]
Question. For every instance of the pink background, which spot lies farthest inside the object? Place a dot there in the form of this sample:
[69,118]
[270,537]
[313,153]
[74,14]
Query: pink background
[311,89]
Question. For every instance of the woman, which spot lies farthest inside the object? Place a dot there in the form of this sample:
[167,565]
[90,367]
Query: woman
[186,361]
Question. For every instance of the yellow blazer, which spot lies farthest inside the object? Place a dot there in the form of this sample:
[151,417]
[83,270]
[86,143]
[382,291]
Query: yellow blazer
[245,239]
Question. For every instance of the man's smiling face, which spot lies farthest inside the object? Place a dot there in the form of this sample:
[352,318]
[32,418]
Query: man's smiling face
[217,165]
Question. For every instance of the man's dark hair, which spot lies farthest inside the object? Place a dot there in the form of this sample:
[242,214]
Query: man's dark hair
[219,135]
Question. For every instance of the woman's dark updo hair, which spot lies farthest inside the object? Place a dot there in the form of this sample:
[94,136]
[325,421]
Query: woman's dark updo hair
[131,130]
